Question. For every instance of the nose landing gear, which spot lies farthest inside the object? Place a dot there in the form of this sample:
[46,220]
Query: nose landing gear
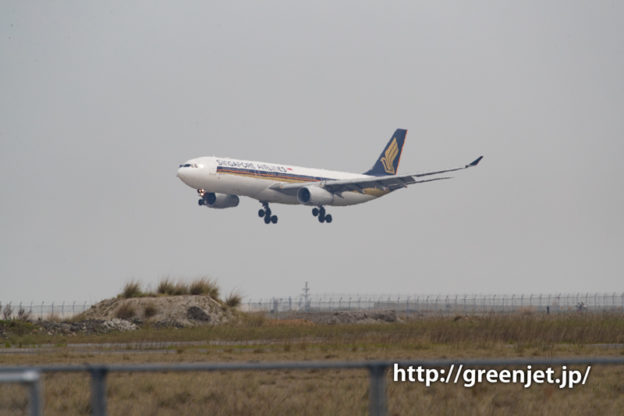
[322,215]
[266,213]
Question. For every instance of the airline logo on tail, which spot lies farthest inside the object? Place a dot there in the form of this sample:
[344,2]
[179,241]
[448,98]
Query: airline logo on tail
[388,159]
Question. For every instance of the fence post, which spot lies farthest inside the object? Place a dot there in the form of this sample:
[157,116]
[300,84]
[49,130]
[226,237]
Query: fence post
[377,393]
[34,379]
[98,390]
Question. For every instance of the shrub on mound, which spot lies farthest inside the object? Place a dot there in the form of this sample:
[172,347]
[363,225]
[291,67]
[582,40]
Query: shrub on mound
[125,311]
[165,287]
[132,290]
[205,287]
[234,300]
[150,310]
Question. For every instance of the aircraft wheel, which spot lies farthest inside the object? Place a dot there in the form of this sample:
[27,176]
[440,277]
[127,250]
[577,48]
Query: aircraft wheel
[321,218]
[274,219]
[201,202]
[261,213]
[267,220]
[328,218]
[315,212]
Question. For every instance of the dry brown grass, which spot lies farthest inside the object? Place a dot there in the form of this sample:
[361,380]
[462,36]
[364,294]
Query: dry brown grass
[204,286]
[336,392]
[165,287]
[132,290]
[234,300]
[332,391]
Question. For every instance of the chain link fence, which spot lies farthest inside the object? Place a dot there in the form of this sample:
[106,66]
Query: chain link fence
[443,304]
[413,304]
[32,310]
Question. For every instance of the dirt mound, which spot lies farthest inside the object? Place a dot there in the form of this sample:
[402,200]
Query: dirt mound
[87,326]
[170,311]
[362,317]
[348,317]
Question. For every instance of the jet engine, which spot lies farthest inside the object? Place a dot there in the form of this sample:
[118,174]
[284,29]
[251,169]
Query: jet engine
[314,195]
[212,200]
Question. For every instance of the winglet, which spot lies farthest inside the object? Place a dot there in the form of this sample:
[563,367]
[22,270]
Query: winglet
[475,163]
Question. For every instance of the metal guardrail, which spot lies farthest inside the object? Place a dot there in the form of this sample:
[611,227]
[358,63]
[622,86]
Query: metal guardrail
[377,372]
[30,378]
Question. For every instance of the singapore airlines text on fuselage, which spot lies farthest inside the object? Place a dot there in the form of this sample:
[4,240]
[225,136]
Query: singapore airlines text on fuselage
[220,181]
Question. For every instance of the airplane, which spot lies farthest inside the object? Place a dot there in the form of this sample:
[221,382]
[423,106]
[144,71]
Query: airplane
[219,181]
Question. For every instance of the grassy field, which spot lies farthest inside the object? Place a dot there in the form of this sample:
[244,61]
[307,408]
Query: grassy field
[320,391]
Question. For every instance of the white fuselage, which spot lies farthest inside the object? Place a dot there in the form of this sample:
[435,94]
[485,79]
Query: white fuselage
[254,179]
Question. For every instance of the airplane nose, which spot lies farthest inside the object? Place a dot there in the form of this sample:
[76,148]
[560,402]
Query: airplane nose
[183,174]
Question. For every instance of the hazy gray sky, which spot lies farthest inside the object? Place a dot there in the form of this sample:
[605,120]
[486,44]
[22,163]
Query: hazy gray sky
[100,102]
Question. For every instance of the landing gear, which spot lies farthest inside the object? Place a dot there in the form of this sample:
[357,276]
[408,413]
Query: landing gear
[322,216]
[266,213]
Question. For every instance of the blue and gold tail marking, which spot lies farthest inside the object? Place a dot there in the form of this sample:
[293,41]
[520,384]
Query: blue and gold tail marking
[388,161]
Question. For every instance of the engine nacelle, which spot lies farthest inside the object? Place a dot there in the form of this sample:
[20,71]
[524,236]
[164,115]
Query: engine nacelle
[314,195]
[213,200]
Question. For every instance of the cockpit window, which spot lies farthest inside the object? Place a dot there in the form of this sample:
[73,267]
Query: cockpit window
[191,165]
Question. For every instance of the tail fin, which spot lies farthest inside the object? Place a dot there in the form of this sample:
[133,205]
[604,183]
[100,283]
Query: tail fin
[388,162]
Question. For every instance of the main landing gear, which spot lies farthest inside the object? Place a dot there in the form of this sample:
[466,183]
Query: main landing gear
[322,216]
[266,213]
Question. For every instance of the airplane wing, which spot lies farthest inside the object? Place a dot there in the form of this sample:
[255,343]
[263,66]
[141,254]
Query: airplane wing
[387,183]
